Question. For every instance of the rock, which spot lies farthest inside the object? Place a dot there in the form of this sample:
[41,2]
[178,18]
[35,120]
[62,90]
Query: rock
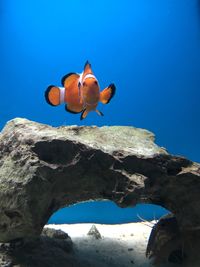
[53,233]
[165,240]
[43,169]
[41,252]
[168,244]
[62,239]
[94,232]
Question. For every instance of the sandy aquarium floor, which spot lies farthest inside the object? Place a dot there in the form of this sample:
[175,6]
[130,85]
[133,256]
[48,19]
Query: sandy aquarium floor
[121,245]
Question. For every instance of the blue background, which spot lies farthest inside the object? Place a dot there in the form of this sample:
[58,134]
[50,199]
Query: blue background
[150,49]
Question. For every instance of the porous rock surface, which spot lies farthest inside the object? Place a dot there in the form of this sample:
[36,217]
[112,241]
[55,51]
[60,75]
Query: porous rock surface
[43,169]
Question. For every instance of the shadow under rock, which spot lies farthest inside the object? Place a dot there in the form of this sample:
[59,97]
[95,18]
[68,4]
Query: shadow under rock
[53,248]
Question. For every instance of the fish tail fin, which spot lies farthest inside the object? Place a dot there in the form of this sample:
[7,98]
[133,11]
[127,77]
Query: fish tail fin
[107,94]
[55,95]
[99,112]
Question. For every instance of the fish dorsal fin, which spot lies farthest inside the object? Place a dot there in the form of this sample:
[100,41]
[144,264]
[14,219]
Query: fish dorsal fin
[69,78]
[87,68]
[87,71]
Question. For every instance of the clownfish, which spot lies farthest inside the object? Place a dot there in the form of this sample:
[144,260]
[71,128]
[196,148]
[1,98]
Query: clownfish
[80,92]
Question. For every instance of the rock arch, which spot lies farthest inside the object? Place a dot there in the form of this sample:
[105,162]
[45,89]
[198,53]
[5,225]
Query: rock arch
[43,168]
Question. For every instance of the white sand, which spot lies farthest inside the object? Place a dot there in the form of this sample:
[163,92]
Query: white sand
[122,245]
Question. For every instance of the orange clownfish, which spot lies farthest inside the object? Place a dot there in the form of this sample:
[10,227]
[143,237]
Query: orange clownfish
[80,92]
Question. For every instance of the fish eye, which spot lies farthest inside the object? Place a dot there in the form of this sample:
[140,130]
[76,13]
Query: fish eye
[84,83]
[95,82]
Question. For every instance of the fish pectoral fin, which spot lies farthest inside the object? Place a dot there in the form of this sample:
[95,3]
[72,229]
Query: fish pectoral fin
[69,78]
[99,112]
[73,108]
[52,95]
[84,114]
[107,94]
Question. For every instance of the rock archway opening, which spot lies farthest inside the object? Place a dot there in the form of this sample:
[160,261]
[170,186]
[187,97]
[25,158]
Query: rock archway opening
[106,212]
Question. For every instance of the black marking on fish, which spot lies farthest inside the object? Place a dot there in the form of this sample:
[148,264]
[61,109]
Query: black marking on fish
[66,76]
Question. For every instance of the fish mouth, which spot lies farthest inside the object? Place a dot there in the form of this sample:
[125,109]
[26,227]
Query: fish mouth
[91,104]
[91,101]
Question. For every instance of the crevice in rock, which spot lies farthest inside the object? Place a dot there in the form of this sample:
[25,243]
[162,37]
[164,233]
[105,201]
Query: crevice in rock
[55,151]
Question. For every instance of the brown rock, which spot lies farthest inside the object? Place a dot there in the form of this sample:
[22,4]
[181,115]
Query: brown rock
[43,169]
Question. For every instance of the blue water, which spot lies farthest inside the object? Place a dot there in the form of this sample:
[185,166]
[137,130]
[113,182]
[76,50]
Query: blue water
[94,211]
[150,49]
